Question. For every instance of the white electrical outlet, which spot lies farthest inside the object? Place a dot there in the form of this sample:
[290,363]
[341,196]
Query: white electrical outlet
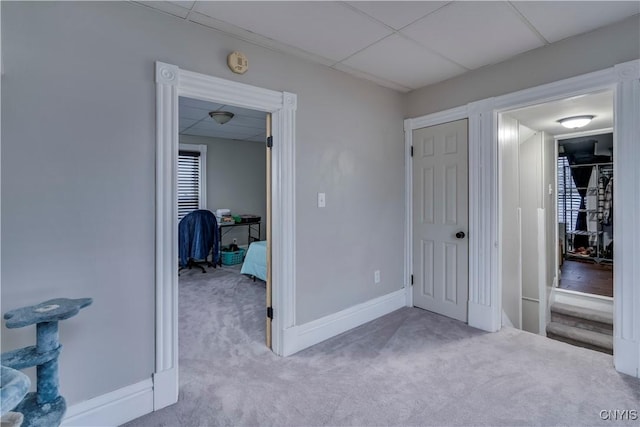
[376,276]
[321,200]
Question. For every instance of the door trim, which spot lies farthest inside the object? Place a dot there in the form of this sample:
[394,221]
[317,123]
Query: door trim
[171,83]
[485,287]
[482,259]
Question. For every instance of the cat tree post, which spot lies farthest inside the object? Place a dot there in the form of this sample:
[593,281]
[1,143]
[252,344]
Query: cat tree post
[45,407]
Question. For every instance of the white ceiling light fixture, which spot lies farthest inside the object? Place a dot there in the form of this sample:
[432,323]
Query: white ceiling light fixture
[575,122]
[221,117]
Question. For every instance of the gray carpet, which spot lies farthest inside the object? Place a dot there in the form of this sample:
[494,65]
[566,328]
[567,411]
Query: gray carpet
[410,367]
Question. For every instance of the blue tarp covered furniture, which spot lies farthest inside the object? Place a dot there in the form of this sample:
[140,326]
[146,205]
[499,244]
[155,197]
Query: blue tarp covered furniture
[255,262]
[198,235]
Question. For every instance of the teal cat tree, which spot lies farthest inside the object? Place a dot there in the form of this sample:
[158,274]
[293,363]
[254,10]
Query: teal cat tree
[45,407]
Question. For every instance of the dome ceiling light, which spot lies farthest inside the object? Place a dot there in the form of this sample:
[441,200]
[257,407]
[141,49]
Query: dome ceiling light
[221,117]
[576,121]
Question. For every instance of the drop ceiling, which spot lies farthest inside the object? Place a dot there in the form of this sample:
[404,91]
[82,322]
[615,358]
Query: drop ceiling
[403,45]
[194,120]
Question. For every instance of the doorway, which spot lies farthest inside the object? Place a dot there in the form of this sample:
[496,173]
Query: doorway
[172,83]
[585,212]
[557,262]
[222,172]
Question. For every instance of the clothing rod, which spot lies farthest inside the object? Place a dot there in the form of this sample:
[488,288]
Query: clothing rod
[592,164]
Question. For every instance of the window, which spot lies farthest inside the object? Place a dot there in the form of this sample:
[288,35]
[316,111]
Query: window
[568,197]
[192,178]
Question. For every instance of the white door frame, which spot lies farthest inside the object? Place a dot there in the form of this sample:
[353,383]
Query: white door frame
[171,83]
[485,286]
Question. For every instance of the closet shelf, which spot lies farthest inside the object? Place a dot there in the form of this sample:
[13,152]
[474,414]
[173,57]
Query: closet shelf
[584,233]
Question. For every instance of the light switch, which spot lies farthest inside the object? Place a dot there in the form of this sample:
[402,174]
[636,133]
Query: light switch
[321,200]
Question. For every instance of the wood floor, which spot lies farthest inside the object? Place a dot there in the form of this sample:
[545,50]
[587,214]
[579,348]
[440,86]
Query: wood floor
[587,277]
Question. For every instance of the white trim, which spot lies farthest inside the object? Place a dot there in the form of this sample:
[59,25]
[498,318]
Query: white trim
[303,336]
[485,303]
[519,210]
[165,388]
[573,86]
[408,202]
[580,299]
[114,408]
[450,115]
[171,83]
[484,289]
[584,133]
[483,316]
[626,229]
[202,185]
[167,77]
[542,271]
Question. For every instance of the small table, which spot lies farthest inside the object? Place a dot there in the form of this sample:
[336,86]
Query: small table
[253,231]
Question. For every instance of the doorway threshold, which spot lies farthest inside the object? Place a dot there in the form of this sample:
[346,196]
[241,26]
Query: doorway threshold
[581,299]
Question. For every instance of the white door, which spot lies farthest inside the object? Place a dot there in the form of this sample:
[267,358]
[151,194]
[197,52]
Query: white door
[441,219]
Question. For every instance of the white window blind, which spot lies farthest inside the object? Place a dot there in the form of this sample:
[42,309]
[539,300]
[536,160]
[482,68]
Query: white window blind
[568,196]
[189,182]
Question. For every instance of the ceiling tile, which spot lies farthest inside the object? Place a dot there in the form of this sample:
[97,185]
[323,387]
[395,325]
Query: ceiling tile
[257,39]
[261,137]
[403,61]
[168,7]
[185,4]
[244,112]
[194,120]
[184,123]
[249,122]
[197,103]
[474,34]
[226,133]
[229,127]
[557,20]
[331,30]
[368,76]
[397,14]
[193,113]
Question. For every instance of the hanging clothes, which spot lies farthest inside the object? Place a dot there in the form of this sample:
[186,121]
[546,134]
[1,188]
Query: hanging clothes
[592,207]
[607,214]
[602,182]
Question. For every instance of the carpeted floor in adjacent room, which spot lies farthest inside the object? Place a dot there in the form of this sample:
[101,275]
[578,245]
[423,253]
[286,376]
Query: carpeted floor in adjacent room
[410,367]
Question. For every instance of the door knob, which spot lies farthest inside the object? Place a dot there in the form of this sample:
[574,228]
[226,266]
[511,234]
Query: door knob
[460,235]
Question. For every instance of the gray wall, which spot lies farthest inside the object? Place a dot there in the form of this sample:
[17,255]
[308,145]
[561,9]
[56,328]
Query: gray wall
[78,176]
[577,55]
[236,174]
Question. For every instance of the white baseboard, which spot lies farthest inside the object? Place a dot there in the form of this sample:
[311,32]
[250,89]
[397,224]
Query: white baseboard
[300,337]
[114,408]
[482,317]
[165,388]
[626,356]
